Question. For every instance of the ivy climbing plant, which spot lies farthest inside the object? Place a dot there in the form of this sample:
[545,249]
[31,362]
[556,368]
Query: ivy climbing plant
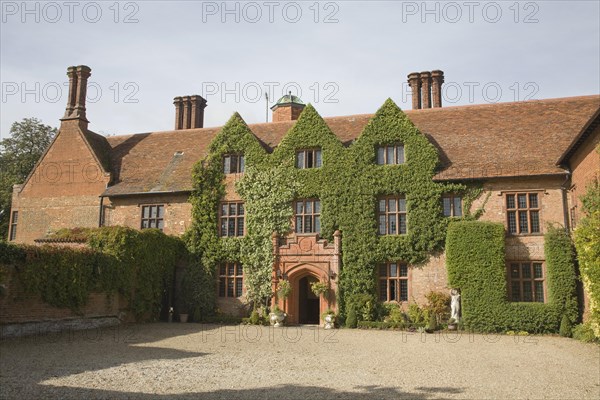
[347,184]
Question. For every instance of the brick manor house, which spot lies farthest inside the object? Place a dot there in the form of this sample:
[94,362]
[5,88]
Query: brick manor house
[532,159]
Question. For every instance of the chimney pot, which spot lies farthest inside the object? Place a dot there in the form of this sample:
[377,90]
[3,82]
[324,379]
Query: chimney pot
[414,80]
[426,89]
[437,79]
[78,77]
[189,112]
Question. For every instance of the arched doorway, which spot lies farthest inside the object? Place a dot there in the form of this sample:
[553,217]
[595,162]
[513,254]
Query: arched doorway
[309,305]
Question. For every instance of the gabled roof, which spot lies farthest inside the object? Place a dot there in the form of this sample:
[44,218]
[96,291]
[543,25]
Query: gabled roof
[474,142]
[587,130]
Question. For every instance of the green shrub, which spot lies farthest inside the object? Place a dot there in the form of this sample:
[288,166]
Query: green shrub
[475,262]
[565,327]
[585,333]
[432,325]
[439,305]
[418,317]
[351,320]
[380,325]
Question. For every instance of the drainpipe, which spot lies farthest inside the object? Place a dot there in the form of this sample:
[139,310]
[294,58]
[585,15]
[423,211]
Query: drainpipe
[101,212]
[563,189]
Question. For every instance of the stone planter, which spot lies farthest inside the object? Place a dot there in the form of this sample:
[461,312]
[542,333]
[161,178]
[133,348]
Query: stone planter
[451,327]
[329,321]
[277,318]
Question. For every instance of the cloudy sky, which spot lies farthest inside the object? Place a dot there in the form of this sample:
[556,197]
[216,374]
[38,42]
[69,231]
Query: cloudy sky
[345,57]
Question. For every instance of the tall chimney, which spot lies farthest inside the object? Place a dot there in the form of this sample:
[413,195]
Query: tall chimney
[72,74]
[437,79]
[197,116]
[414,80]
[426,89]
[178,101]
[78,77]
[189,112]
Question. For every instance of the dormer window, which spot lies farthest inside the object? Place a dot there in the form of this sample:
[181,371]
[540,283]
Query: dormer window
[233,163]
[308,158]
[390,155]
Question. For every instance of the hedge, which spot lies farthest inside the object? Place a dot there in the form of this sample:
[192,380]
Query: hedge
[476,265]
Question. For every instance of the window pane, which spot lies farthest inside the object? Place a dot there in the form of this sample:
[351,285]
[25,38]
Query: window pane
[539,292]
[447,206]
[537,270]
[457,207]
[403,290]
[392,283]
[308,207]
[402,218]
[535,221]
[240,227]
[523,224]
[309,159]
[222,287]
[522,198]
[390,155]
[383,290]
[230,288]
[299,207]
[516,291]
[403,270]
[240,269]
[223,226]
[160,210]
[393,270]
[242,163]
[514,271]
[234,164]
[231,227]
[231,269]
[318,160]
[308,228]
[402,205]
[224,209]
[383,270]
[222,270]
[15,217]
[300,159]
[317,207]
[527,293]
[525,270]
[533,200]
[510,201]
[151,223]
[298,224]
[380,155]
[144,223]
[145,212]
[232,209]
[382,225]
[227,165]
[241,209]
[512,222]
[238,287]
[392,205]
[392,224]
[400,155]
[317,224]
[381,205]
[160,224]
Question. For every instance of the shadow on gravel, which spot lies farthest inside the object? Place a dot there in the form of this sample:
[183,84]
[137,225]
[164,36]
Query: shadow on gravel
[288,392]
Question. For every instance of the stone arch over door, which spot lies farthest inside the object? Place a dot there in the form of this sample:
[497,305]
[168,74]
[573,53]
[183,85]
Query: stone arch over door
[294,302]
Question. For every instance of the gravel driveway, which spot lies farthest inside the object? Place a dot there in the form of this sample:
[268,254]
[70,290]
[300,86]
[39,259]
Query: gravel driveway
[176,361]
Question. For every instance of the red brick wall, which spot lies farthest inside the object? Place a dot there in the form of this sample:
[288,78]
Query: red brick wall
[585,167]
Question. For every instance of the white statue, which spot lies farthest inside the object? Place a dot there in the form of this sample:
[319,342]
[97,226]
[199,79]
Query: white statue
[455,305]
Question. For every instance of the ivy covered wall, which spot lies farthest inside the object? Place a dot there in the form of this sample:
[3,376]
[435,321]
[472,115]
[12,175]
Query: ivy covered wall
[348,185]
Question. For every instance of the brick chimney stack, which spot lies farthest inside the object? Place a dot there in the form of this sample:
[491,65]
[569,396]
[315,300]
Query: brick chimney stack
[287,108]
[437,79]
[414,81]
[189,112]
[78,77]
[426,88]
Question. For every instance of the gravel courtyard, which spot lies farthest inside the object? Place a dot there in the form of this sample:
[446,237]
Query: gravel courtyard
[177,361]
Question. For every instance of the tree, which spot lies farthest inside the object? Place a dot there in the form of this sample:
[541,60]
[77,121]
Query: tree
[18,155]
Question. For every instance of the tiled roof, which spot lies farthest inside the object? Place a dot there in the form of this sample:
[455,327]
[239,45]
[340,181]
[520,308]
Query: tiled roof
[474,142]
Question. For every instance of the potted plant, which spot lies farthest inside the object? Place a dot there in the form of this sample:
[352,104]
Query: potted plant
[329,318]
[451,324]
[277,316]
[321,288]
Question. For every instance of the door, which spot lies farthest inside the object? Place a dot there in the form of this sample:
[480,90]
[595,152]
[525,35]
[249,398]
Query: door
[309,304]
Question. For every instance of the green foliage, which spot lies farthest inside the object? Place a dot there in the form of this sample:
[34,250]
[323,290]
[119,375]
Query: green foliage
[565,327]
[18,154]
[381,325]
[418,316]
[439,305]
[585,333]
[347,184]
[11,254]
[591,199]
[475,262]
[351,319]
[432,325]
[284,289]
[138,264]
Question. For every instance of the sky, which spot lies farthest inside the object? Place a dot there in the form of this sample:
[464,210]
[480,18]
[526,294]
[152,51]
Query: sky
[344,57]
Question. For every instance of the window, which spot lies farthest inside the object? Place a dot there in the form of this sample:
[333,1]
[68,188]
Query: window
[308,159]
[308,216]
[526,281]
[392,216]
[232,219]
[393,282]
[390,155]
[523,213]
[153,216]
[233,163]
[231,280]
[452,206]
[13,226]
